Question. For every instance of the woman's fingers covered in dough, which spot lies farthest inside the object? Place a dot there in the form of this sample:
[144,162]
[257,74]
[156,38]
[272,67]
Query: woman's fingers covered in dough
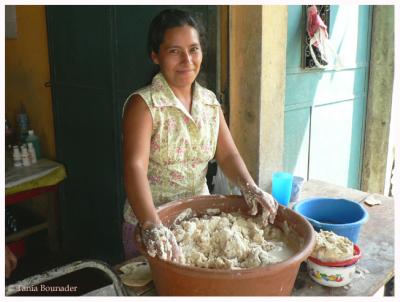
[253,195]
[250,194]
[268,202]
[271,217]
[252,204]
[161,242]
[174,251]
[269,205]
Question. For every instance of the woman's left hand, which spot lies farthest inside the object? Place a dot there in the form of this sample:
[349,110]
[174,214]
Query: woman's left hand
[253,196]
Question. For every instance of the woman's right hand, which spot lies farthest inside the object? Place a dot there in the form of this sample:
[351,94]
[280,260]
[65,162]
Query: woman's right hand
[160,241]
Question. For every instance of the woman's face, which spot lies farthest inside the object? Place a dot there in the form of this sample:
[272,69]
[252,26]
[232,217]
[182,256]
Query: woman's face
[179,56]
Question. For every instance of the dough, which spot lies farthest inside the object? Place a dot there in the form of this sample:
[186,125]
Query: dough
[230,241]
[372,201]
[330,247]
[136,273]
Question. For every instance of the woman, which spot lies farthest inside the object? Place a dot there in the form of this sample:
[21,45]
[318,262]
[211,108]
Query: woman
[171,130]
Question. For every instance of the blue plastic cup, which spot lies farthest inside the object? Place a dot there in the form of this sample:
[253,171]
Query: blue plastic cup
[282,187]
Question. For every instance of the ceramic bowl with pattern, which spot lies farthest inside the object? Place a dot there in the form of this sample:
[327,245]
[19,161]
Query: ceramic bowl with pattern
[333,274]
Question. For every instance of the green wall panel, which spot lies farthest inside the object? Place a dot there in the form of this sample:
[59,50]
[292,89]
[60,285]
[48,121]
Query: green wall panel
[297,127]
[337,139]
[83,36]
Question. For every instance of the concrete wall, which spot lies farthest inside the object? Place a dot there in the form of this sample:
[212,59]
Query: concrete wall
[257,86]
[26,71]
[379,102]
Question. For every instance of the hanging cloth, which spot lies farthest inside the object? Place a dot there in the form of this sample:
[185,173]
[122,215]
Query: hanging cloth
[318,33]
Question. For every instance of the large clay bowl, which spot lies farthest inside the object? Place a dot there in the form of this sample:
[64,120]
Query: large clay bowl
[272,280]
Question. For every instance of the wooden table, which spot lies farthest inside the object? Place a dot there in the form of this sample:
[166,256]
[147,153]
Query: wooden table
[376,242]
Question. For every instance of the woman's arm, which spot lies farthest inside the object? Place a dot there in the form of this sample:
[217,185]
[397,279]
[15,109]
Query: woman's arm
[233,166]
[228,157]
[137,128]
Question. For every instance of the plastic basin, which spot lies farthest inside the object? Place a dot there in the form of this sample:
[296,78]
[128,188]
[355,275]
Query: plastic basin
[272,280]
[341,216]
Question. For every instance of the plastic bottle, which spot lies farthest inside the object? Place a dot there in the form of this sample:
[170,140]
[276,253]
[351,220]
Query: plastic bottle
[17,157]
[34,139]
[32,153]
[9,133]
[23,124]
[25,156]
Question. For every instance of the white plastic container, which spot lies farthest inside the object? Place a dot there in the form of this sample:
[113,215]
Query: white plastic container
[25,156]
[32,153]
[17,157]
[34,139]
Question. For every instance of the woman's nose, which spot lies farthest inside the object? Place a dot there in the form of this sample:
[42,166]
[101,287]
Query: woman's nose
[186,57]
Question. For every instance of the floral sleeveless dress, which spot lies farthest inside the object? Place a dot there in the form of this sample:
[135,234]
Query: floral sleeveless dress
[182,144]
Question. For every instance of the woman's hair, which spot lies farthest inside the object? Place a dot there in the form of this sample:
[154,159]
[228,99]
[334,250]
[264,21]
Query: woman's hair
[167,19]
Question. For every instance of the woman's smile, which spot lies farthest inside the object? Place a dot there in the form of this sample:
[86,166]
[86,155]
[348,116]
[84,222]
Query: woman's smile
[184,71]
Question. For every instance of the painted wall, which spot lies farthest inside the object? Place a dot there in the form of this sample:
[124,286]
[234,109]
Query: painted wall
[325,108]
[26,71]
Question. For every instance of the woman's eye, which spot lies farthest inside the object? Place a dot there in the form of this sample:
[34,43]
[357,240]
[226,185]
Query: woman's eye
[195,49]
[173,51]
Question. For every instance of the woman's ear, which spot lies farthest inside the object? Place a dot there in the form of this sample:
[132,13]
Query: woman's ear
[154,58]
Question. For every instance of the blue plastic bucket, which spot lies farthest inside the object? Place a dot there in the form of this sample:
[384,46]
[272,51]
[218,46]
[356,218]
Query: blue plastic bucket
[341,216]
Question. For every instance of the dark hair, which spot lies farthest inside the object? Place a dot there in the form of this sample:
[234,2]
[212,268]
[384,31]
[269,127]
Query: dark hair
[167,19]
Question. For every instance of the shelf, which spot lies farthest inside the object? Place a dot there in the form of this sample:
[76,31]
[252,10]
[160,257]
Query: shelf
[26,232]
[29,194]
